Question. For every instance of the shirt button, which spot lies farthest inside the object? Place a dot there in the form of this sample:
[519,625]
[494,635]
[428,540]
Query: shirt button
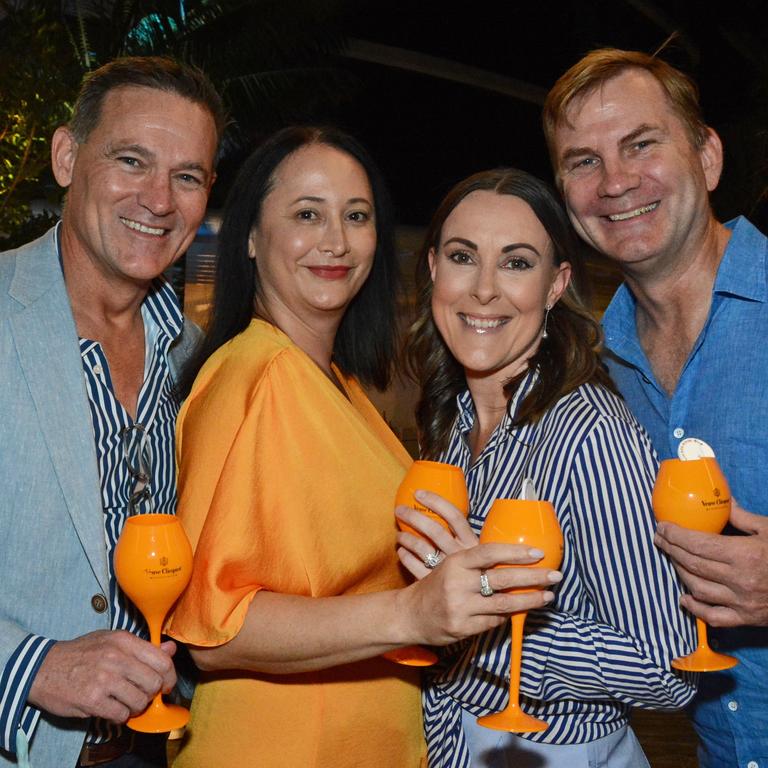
[679,432]
[99,603]
[98,370]
[733,706]
[752,764]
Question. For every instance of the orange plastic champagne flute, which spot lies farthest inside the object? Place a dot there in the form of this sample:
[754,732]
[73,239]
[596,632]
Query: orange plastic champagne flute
[533,524]
[448,482]
[695,494]
[153,564]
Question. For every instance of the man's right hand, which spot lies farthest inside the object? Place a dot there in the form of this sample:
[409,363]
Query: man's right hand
[726,575]
[112,675]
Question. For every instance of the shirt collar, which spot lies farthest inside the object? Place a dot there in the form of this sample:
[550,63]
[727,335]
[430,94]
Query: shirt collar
[742,271]
[466,411]
[163,307]
[160,305]
[466,408]
[619,317]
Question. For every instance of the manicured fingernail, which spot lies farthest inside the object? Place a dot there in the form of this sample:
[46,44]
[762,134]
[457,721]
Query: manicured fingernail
[548,597]
[419,494]
[537,553]
[554,576]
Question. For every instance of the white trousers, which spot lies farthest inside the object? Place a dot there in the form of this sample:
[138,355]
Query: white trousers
[498,749]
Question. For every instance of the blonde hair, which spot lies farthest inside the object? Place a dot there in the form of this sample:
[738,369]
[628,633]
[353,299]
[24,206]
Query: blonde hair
[599,66]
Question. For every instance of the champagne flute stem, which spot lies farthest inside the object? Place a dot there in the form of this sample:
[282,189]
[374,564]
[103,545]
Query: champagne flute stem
[155,626]
[701,631]
[516,653]
[154,631]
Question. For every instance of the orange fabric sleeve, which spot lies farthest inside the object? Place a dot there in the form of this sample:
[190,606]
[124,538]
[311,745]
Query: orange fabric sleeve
[284,484]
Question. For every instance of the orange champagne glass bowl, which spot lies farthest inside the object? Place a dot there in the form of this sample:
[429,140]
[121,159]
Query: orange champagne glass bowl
[153,564]
[447,481]
[532,524]
[694,494]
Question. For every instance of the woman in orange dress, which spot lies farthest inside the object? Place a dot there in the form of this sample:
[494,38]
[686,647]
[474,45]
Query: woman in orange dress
[287,476]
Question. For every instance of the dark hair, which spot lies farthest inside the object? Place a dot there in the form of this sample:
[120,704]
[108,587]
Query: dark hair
[157,72]
[601,65]
[366,340]
[567,358]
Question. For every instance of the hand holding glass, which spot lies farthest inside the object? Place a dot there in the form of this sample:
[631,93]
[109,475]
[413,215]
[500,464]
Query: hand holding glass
[153,564]
[447,481]
[533,524]
[695,494]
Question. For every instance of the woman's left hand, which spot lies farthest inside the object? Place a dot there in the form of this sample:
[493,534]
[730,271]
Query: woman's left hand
[437,539]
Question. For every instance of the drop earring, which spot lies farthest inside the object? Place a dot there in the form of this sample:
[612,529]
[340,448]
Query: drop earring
[544,334]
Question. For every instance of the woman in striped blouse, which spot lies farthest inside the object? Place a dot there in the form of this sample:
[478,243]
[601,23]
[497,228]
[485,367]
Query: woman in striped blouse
[513,388]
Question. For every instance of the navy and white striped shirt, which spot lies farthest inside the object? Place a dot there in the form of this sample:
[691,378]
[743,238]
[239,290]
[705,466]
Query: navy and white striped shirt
[156,411]
[606,641]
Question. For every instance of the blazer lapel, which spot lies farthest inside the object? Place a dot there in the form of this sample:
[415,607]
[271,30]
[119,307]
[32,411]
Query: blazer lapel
[46,341]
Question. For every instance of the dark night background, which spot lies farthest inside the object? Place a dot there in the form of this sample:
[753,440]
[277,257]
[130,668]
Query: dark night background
[427,131]
[436,91]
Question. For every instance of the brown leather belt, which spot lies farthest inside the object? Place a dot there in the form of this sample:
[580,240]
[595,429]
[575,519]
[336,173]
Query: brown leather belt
[98,754]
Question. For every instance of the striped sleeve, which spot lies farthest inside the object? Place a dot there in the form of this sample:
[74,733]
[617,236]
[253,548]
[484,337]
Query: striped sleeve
[620,645]
[15,682]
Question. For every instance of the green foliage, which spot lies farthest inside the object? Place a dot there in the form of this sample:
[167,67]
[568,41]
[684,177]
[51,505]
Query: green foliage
[35,225]
[268,58]
[38,80]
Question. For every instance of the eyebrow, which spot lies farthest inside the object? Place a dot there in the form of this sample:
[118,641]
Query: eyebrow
[572,152]
[639,131]
[113,150]
[315,199]
[463,241]
[517,246]
[138,149]
[506,249]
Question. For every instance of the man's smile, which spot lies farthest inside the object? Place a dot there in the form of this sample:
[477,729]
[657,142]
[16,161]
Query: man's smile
[643,209]
[143,228]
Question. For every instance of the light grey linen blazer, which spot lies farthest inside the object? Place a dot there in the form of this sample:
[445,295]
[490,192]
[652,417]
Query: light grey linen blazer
[52,542]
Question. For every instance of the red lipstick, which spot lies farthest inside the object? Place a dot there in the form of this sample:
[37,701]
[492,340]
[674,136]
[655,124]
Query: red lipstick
[330,273]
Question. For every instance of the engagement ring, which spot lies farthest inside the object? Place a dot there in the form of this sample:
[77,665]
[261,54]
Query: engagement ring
[432,559]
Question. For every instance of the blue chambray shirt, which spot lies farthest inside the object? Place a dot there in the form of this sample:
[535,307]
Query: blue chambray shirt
[721,397]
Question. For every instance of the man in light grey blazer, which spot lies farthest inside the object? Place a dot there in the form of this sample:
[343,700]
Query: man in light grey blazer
[89,345]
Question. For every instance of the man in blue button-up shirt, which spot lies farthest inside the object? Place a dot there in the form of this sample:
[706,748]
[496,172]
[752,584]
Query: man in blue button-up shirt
[685,335]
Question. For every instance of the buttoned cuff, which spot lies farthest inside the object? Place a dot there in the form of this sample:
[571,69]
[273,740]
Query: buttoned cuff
[15,682]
